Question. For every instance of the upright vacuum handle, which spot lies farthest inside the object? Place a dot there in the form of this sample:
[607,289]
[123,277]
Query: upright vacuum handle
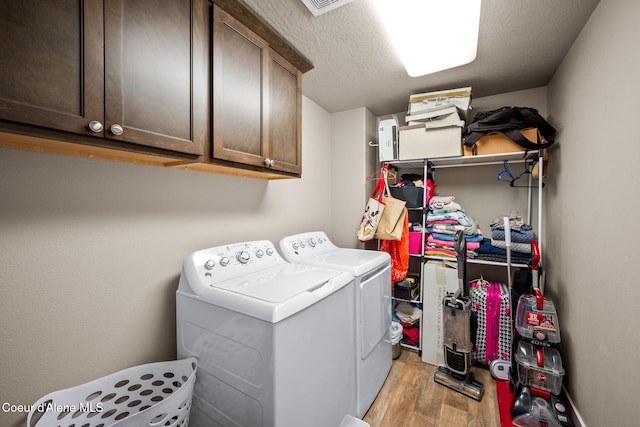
[461,255]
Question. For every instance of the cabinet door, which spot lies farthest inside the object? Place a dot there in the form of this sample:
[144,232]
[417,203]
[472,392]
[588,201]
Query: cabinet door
[285,113]
[51,63]
[239,91]
[154,60]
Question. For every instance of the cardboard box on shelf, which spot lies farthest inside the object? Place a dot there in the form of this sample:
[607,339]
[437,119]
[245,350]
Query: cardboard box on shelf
[459,98]
[497,143]
[423,141]
[438,278]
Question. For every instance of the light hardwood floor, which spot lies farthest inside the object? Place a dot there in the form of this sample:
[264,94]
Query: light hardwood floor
[410,398]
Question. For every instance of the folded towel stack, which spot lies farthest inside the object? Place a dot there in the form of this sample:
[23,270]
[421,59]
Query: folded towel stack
[444,219]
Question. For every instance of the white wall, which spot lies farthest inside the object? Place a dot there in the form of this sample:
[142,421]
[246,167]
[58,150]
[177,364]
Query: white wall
[91,251]
[593,205]
[351,161]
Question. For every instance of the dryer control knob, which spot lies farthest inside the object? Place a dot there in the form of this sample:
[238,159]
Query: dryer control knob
[243,257]
[312,242]
[209,264]
[269,251]
[224,261]
[295,246]
[259,253]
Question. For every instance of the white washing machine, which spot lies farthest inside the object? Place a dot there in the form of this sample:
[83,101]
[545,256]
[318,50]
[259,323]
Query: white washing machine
[372,293]
[274,340]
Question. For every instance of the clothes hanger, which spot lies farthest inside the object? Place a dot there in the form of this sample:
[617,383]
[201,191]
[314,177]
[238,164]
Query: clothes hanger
[384,171]
[507,176]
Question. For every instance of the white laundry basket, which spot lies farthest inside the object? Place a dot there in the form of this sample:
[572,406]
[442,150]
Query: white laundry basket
[155,394]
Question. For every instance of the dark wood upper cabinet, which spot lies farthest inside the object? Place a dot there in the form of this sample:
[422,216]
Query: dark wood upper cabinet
[131,71]
[198,84]
[257,97]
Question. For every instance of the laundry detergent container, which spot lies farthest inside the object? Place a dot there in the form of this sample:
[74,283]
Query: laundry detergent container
[539,367]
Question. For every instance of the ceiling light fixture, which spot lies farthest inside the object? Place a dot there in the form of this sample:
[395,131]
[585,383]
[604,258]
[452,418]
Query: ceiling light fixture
[432,35]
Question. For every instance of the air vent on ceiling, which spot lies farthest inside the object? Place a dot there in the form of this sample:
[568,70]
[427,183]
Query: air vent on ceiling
[318,7]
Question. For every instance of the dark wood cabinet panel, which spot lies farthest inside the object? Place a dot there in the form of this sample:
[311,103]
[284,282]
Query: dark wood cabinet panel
[285,113]
[151,54]
[51,63]
[239,58]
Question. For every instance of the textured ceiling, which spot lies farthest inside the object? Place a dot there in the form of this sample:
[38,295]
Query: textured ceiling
[521,44]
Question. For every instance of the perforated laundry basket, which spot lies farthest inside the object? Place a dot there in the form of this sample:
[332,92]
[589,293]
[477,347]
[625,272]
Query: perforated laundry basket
[155,394]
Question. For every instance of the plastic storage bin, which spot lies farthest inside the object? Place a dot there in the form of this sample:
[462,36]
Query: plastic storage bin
[155,394]
[544,376]
[414,196]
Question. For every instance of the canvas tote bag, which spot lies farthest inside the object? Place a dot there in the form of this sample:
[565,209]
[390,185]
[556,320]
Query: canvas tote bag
[392,220]
[372,212]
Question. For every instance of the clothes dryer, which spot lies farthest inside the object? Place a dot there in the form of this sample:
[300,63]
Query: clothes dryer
[372,309]
[274,340]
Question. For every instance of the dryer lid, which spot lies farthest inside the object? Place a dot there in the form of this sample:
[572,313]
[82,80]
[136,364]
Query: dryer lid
[356,261]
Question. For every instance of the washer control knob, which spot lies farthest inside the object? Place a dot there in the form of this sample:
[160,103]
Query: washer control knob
[303,244]
[224,261]
[243,257]
[295,246]
[259,253]
[269,251]
[209,264]
[560,407]
[312,242]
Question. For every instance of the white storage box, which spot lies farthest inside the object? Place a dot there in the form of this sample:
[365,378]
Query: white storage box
[388,139]
[438,278]
[460,98]
[424,141]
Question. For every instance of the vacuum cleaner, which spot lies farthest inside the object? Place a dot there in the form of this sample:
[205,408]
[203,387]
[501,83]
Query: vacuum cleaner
[457,328]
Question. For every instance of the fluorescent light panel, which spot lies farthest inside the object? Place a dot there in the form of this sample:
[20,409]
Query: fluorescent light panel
[432,35]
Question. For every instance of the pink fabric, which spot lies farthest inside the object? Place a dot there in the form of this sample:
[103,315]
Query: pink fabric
[493,320]
[432,240]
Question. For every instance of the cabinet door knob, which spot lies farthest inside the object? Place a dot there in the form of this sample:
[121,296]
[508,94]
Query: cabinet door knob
[95,126]
[269,163]
[116,129]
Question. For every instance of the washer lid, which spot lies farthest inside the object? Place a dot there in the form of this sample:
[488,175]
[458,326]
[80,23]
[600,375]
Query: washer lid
[275,293]
[355,261]
[278,284]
